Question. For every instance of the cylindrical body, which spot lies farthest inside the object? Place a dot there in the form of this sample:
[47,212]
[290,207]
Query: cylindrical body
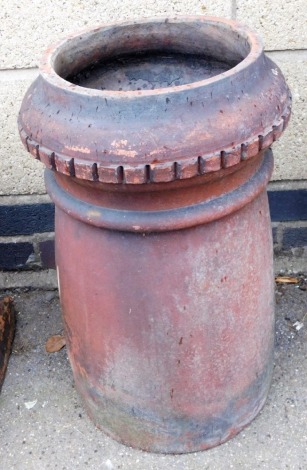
[170,333]
[156,137]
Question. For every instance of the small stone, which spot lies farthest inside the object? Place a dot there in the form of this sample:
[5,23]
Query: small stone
[50,296]
[108,464]
[30,404]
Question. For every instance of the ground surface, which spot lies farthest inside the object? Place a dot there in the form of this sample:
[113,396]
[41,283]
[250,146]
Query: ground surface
[43,424]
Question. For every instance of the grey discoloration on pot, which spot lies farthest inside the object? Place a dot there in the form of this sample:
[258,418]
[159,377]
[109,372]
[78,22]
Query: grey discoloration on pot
[163,237]
[207,124]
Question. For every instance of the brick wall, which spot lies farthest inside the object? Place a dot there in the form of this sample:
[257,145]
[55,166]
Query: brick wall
[27,28]
[27,234]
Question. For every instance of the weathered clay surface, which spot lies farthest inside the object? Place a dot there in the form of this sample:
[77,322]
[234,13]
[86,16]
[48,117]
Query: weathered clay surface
[161,134]
[163,238]
[171,336]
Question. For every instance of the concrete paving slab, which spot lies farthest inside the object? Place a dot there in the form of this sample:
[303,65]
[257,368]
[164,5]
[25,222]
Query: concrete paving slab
[43,424]
[45,279]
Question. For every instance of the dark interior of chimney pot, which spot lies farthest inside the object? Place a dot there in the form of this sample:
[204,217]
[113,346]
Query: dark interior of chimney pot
[148,71]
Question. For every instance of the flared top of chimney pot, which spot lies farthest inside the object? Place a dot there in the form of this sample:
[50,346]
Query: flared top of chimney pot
[154,101]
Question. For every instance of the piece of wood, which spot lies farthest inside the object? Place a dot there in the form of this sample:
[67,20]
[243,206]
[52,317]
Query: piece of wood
[7,329]
[287,280]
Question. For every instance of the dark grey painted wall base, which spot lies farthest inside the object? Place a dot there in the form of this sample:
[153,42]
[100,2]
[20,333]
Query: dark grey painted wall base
[27,239]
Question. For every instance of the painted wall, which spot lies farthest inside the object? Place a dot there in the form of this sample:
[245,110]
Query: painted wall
[28,27]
